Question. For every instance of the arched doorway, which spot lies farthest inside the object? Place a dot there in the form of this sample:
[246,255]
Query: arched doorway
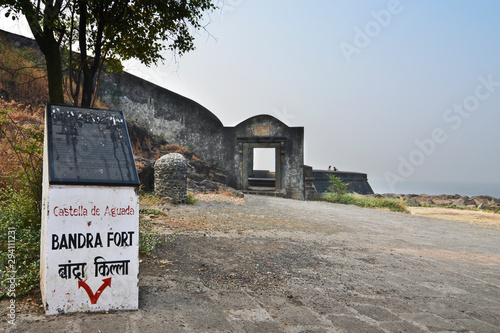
[261,179]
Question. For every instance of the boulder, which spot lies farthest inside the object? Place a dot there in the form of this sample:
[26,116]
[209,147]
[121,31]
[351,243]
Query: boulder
[412,202]
[201,167]
[468,201]
[219,177]
[209,186]
[195,177]
[443,202]
[429,202]
[459,203]
[484,206]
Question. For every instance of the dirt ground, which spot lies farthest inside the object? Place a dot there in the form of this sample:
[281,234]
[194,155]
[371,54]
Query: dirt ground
[262,264]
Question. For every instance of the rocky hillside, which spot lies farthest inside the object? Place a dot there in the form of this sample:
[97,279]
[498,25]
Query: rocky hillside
[202,176]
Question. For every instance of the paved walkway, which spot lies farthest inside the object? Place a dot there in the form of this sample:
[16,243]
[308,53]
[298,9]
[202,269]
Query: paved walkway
[278,265]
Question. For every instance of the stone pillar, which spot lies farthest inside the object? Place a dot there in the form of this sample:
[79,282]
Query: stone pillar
[171,177]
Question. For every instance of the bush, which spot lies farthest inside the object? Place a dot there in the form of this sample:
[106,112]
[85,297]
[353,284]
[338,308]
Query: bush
[337,187]
[23,73]
[20,198]
[19,212]
[22,145]
[191,199]
[363,201]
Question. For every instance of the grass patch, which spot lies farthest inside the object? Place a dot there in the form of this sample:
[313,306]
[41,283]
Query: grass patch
[147,238]
[151,211]
[149,199]
[364,201]
[338,193]
[191,199]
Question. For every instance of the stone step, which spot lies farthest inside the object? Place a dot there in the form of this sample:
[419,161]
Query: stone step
[262,182]
[269,193]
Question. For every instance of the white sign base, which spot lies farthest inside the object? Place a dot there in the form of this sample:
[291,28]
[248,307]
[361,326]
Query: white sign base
[90,248]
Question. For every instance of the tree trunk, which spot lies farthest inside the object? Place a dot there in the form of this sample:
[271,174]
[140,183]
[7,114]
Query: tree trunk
[50,49]
[54,74]
[47,43]
[87,87]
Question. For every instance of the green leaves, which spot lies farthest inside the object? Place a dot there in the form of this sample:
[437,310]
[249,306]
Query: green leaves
[337,187]
[144,29]
[108,29]
[20,215]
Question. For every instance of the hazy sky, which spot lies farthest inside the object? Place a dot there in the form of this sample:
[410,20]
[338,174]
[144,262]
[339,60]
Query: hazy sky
[400,90]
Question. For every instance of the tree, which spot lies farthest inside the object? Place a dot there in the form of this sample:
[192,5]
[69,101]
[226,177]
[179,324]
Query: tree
[45,21]
[106,31]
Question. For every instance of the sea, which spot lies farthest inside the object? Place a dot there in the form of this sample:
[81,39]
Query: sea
[438,187]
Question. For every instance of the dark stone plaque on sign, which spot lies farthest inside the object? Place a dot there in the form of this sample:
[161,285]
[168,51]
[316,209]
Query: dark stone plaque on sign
[89,147]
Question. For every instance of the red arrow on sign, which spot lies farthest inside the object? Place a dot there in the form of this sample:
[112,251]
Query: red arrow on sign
[94,297]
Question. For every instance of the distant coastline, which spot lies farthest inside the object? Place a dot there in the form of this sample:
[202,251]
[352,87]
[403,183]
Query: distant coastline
[469,189]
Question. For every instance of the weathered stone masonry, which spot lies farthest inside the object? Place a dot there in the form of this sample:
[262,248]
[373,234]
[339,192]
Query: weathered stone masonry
[171,177]
[179,119]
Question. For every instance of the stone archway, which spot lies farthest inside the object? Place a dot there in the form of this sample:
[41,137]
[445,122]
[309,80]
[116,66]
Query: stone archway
[265,131]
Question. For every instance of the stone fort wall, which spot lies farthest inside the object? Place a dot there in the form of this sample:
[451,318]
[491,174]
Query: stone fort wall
[178,119]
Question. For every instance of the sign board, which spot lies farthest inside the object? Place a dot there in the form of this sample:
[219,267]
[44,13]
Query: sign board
[90,213]
[260,130]
[89,146]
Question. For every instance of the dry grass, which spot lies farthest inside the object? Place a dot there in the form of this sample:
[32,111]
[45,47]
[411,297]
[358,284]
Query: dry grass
[23,74]
[15,128]
[459,215]
[220,197]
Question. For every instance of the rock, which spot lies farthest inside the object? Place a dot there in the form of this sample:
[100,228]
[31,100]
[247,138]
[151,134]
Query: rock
[145,170]
[464,201]
[201,167]
[468,202]
[209,186]
[495,207]
[483,206]
[412,202]
[429,202]
[459,203]
[484,197]
[444,202]
[219,178]
[195,177]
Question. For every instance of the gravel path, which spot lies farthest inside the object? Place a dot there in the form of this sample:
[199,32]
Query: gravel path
[279,265]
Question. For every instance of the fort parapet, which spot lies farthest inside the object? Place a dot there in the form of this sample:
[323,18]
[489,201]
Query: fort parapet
[356,182]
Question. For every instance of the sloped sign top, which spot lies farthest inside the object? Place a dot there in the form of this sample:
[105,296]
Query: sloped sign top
[89,147]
